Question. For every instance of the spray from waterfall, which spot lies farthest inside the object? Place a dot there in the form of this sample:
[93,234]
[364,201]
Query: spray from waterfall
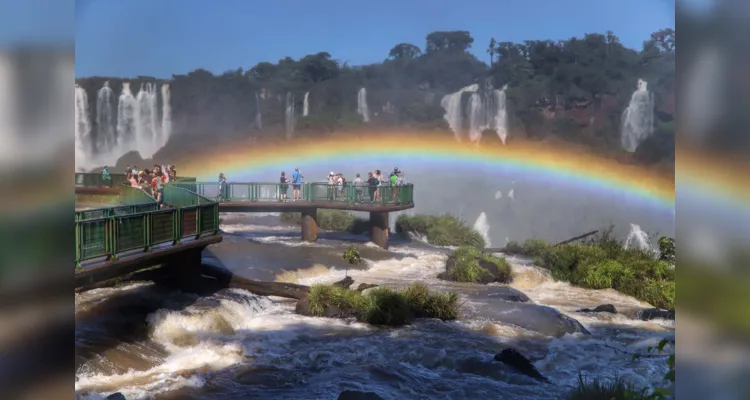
[638,118]
[82,129]
[637,238]
[289,115]
[166,115]
[482,227]
[147,135]
[105,119]
[362,108]
[306,105]
[258,120]
[126,118]
[501,114]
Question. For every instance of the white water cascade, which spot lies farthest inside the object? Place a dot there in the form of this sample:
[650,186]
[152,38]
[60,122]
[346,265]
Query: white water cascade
[483,111]
[147,135]
[637,238]
[258,119]
[638,118]
[289,115]
[127,108]
[166,115]
[82,128]
[105,119]
[306,105]
[362,108]
[482,227]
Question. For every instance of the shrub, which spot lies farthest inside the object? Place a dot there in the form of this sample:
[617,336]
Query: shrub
[385,306]
[444,230]
[332,220]
[467,264]
[535,247]
[616,389]
[513,247]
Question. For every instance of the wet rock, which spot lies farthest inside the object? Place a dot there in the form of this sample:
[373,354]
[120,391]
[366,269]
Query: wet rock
[365,286]
[520,363]
[303,308]
[357,395]
[655,313]
[115,396]
[609,308]
[344,283]
[532,317]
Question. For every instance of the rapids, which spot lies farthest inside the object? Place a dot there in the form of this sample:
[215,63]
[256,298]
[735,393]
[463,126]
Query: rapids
[150,343]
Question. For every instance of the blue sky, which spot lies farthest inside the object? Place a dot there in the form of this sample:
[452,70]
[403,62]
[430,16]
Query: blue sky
[161,37]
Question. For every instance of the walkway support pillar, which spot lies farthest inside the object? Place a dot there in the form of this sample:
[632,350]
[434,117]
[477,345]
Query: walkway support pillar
[184,270]
[379,229]
[309,223]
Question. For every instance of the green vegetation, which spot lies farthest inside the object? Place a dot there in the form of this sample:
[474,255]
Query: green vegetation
[602,263]
[383,305]
[444,230]
[467,264]
[332,220]
[574,90]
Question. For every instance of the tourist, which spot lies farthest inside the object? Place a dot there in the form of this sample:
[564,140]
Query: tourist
[283,186]
[296,184]
[379,176]
[340,182]
[331,183]
[394,189]
[106,177]
[358,189]
[222,196]
[372,183]
[132,179]
[157,185]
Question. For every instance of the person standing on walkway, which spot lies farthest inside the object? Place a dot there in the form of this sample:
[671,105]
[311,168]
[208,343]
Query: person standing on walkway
[223,195]
[296,184]
[372,183]
[358,189]
[283,186]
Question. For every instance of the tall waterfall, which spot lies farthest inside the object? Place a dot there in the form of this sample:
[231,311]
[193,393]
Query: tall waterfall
[306,105]
[484,110]
[105,119]
[82,129]
[166,115]
[138,125]
[258,120]
[289,115]
[638,118]
[362,108]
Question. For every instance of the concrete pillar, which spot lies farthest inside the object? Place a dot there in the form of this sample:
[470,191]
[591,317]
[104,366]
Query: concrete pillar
[379,229]
[309,224]
[183,271]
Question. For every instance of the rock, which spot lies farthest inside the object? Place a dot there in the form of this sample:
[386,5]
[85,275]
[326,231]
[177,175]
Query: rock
[655,313]
[609,308]
[303,308]
[357,395]
[115,396]
[518,361]
[344,283]
[533,317]
[365,286]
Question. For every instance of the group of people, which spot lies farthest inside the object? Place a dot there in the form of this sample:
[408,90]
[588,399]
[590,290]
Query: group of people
[151,181]
[337,182]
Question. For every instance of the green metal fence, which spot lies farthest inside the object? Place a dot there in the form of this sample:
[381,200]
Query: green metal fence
[95,179]
[311,192]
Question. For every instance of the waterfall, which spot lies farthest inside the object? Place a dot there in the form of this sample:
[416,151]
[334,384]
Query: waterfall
[146,133]
[289,115]
[451,103]
[638,118]
[306,105]
[82,129]
[105,120]
[482,227]
[485,110]
[126,118]
[501,114]
[258,120]
[362,108]
[637,238]
[166,115]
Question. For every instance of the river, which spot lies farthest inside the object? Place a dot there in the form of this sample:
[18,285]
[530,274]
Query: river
[150,343]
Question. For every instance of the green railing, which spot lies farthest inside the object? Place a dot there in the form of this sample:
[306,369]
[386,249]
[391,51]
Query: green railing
[95,179]
[139,224]
[311,192]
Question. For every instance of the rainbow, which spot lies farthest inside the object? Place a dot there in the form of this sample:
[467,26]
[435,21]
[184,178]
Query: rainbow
[561,164]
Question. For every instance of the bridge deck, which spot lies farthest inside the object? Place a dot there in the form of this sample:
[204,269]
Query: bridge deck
[299,206]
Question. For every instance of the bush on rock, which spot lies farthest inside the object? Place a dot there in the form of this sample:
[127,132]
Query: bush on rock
[332,220]
[444,230]
[467,264]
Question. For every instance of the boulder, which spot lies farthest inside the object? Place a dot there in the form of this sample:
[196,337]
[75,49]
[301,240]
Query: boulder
[116,396]
[655,313]
[303,308]
[608,308]
[533,317]
[358,395]
[520,363]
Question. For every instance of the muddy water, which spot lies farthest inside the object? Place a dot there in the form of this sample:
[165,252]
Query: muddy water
[149,343]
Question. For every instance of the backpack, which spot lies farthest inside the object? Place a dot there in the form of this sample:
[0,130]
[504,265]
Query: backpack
[343,181]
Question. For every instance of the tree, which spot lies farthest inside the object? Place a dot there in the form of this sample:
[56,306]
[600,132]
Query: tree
[405,51]
[455,41]
[491,51]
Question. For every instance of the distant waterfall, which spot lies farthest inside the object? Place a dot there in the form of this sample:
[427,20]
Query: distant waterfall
[638,118]
[306,105]
[147,135]
[289,115]
[127,108]
[485,110]
[166,115]
[258,120]
[105,119]
[362,108]
[82,129]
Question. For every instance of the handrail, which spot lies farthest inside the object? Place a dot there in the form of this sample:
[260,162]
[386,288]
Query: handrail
[116,179]
[310,192]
